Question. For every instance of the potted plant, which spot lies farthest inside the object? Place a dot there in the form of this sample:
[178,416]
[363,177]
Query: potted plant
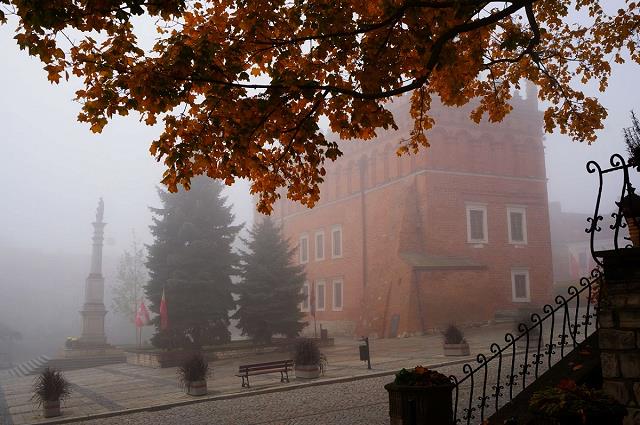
[454,342]
[49,389]
[309,362]
[193,374]
[572,404]
[420,396]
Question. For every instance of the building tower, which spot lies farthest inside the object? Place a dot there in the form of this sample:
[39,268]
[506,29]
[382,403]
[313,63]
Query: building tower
[93,311]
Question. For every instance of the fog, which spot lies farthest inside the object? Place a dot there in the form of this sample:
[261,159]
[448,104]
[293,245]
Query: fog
[54,170]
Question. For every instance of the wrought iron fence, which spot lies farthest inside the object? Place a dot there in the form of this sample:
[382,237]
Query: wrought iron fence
[617,163]
[495,379]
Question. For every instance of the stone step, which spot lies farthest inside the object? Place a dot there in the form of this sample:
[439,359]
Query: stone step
[30,367]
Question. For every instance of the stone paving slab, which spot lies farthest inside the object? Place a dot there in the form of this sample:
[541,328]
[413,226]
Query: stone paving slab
[119,387]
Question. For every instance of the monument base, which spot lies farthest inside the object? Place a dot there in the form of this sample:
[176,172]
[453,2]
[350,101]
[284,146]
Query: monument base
[87,357]
[97,351]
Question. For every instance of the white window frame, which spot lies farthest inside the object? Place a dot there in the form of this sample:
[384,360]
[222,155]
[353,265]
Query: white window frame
[308,300]
[333,294]
[477,207]
[315,245]
[304,237]
[525,272]
[522,211]
[320,283]
[336,228]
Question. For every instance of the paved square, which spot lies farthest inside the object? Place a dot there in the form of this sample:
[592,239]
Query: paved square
[122,386]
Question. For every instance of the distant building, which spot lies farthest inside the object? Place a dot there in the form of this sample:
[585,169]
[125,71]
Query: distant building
[456,234]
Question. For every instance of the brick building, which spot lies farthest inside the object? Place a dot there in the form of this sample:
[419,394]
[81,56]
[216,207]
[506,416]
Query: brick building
[455,234]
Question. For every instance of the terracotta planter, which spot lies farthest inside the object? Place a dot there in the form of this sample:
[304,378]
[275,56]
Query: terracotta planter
[420,405]
[456,349]
[51,409]
[197,388]
[307,371]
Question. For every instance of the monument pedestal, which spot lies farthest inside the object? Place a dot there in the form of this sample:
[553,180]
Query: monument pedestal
[86,357]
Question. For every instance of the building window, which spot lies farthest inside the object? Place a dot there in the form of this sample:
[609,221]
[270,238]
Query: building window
[304,305]
[320,295]
[477,224]
[517,219]
[520,285]
[337,295]
[336,241]
[304,249]
[320,245]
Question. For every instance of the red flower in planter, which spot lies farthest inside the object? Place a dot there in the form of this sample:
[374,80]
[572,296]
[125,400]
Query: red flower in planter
[421,376]
[567,385]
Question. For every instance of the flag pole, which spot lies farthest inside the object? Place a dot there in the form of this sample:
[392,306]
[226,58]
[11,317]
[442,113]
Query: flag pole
[313,309]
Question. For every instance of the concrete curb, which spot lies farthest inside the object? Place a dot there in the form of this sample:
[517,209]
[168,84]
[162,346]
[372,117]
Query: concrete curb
[295,386]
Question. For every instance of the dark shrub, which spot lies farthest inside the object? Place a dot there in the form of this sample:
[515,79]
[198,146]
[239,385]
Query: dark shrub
[196,368]
[50,385]
[453,335]
[307,352]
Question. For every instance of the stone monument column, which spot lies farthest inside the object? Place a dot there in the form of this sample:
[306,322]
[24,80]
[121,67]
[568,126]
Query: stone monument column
[93,310]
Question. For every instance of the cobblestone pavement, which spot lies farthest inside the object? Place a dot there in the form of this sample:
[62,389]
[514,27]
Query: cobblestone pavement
[358,402]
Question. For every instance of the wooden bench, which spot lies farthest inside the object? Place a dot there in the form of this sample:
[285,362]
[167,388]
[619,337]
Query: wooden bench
[282,366]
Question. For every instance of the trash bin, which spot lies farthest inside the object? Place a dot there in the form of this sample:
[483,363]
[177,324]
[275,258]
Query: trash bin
[324,334]
[364,352]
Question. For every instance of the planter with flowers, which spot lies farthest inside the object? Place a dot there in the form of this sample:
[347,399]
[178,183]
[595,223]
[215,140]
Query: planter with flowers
[50,388]
[572,404]
[454,342]
[193,375]
[310,363]
[420,396]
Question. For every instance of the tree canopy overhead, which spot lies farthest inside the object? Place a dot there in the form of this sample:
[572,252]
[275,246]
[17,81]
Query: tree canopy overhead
[240,86]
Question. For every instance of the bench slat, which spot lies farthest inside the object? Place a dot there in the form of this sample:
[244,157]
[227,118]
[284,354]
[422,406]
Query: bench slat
[257,369]
[280,362]
[259,372]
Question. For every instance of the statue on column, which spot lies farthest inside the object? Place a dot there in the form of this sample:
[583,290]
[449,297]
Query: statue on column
[100,211]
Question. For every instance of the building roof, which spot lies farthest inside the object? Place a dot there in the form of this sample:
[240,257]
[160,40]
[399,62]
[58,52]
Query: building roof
[423,261]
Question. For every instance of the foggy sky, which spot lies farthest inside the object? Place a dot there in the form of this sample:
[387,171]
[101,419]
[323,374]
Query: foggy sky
[54,170]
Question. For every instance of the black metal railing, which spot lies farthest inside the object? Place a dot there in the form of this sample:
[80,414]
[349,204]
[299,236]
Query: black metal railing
[496,378]
[617,163]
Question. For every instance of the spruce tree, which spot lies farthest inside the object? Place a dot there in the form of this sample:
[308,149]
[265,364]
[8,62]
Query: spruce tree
[192,260]
[270,291]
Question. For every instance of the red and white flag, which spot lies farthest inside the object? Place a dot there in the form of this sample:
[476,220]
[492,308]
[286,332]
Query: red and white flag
[164,315]
[142,316]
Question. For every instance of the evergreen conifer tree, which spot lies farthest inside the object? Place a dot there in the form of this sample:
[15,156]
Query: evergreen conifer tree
[270,291]
[192,260]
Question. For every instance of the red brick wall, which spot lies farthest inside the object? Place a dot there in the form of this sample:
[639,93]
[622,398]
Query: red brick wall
[497,165]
